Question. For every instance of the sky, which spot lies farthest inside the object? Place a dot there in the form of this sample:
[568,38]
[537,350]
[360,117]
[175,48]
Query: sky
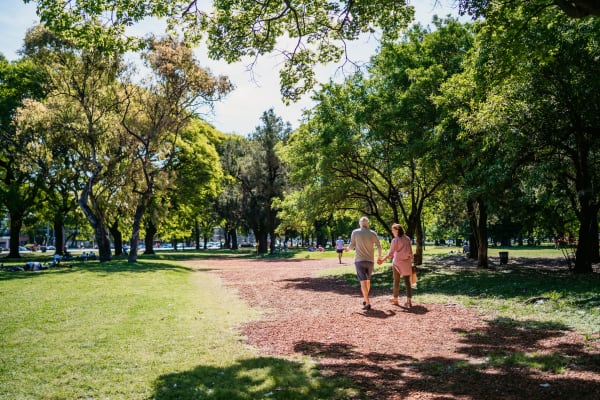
[255,91]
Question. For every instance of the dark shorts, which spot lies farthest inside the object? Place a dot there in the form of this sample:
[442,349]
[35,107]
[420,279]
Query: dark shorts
[339,250]
[364,270]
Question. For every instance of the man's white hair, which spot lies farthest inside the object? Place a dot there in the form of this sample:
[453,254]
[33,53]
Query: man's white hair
[363,222]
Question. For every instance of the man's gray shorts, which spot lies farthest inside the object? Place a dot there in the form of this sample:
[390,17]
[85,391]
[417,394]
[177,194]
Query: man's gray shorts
[364,270]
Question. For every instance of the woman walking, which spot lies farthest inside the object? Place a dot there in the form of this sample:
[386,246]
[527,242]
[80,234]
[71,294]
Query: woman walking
[402,253]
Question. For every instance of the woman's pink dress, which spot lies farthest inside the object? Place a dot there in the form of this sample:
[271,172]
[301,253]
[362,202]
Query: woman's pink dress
[401,248]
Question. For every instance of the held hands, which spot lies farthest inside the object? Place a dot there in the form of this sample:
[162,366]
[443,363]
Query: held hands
[380,260]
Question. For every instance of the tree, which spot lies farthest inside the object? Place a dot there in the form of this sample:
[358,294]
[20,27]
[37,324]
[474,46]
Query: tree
[228,205]
[178,207]
[295,216]
[543,106]
[85,103]
[370,144]
[319,30]
[21,177]
[234,29]
[56,162]
[263,178]
[197,175]
[156,113]
[572,8]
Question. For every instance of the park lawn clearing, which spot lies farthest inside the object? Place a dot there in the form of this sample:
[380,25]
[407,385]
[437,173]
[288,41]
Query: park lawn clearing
[133,331]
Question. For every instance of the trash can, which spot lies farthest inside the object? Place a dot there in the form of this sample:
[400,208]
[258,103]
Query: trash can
[503,257]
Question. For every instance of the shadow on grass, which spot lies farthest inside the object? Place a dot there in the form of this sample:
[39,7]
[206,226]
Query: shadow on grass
[255,378]
[109,267]
[186,255]
[519,285]
[145,263]
[505,361]
[516,283]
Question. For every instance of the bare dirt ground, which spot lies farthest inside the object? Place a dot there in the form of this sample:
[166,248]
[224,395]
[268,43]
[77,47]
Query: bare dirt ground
[432,351]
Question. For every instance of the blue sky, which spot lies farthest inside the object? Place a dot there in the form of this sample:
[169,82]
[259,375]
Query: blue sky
[255,93]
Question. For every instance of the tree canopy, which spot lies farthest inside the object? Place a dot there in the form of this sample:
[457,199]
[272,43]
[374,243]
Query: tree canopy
[305,33]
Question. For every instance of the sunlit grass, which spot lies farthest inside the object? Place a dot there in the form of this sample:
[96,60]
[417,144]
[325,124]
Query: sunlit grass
[544,251]
[555,363]
[522,294]
[153,329]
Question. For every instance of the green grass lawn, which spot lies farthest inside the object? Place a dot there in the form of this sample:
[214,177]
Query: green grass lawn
[545,251]
[151,330]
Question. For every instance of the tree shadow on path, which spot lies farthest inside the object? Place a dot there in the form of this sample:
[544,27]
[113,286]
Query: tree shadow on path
[507,360]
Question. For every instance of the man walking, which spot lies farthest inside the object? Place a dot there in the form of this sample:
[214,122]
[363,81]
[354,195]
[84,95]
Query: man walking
[363,240]
[339,248]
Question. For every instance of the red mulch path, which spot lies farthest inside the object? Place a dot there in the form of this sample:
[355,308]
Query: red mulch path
[431,351]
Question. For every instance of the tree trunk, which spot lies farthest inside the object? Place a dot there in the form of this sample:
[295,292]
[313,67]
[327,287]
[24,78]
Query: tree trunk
[104,251]
[59,234]
[418,257]
[117,237]
[197,235]
[234,239]
[261,238]
[272,241]
[413,231]
[587,247]
[149,238]
[473,242]
[482,248]
[473,247]
[97,223]
[135,228]
[16,222]
[595,239]
[478,222]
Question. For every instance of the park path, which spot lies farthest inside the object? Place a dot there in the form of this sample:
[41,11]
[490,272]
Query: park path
[431,351]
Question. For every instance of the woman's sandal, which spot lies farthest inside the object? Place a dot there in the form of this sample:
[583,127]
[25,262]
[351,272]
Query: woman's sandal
[394,301]
[408,304]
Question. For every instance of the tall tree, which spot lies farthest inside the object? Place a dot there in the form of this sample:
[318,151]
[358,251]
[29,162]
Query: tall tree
[197,175]
[545,106]
[229,203]
[264,178]
[233,29]
[85,102]
[55,160]
[495,9]
[319,29]
[21,176]
[157,112]
[373,141]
